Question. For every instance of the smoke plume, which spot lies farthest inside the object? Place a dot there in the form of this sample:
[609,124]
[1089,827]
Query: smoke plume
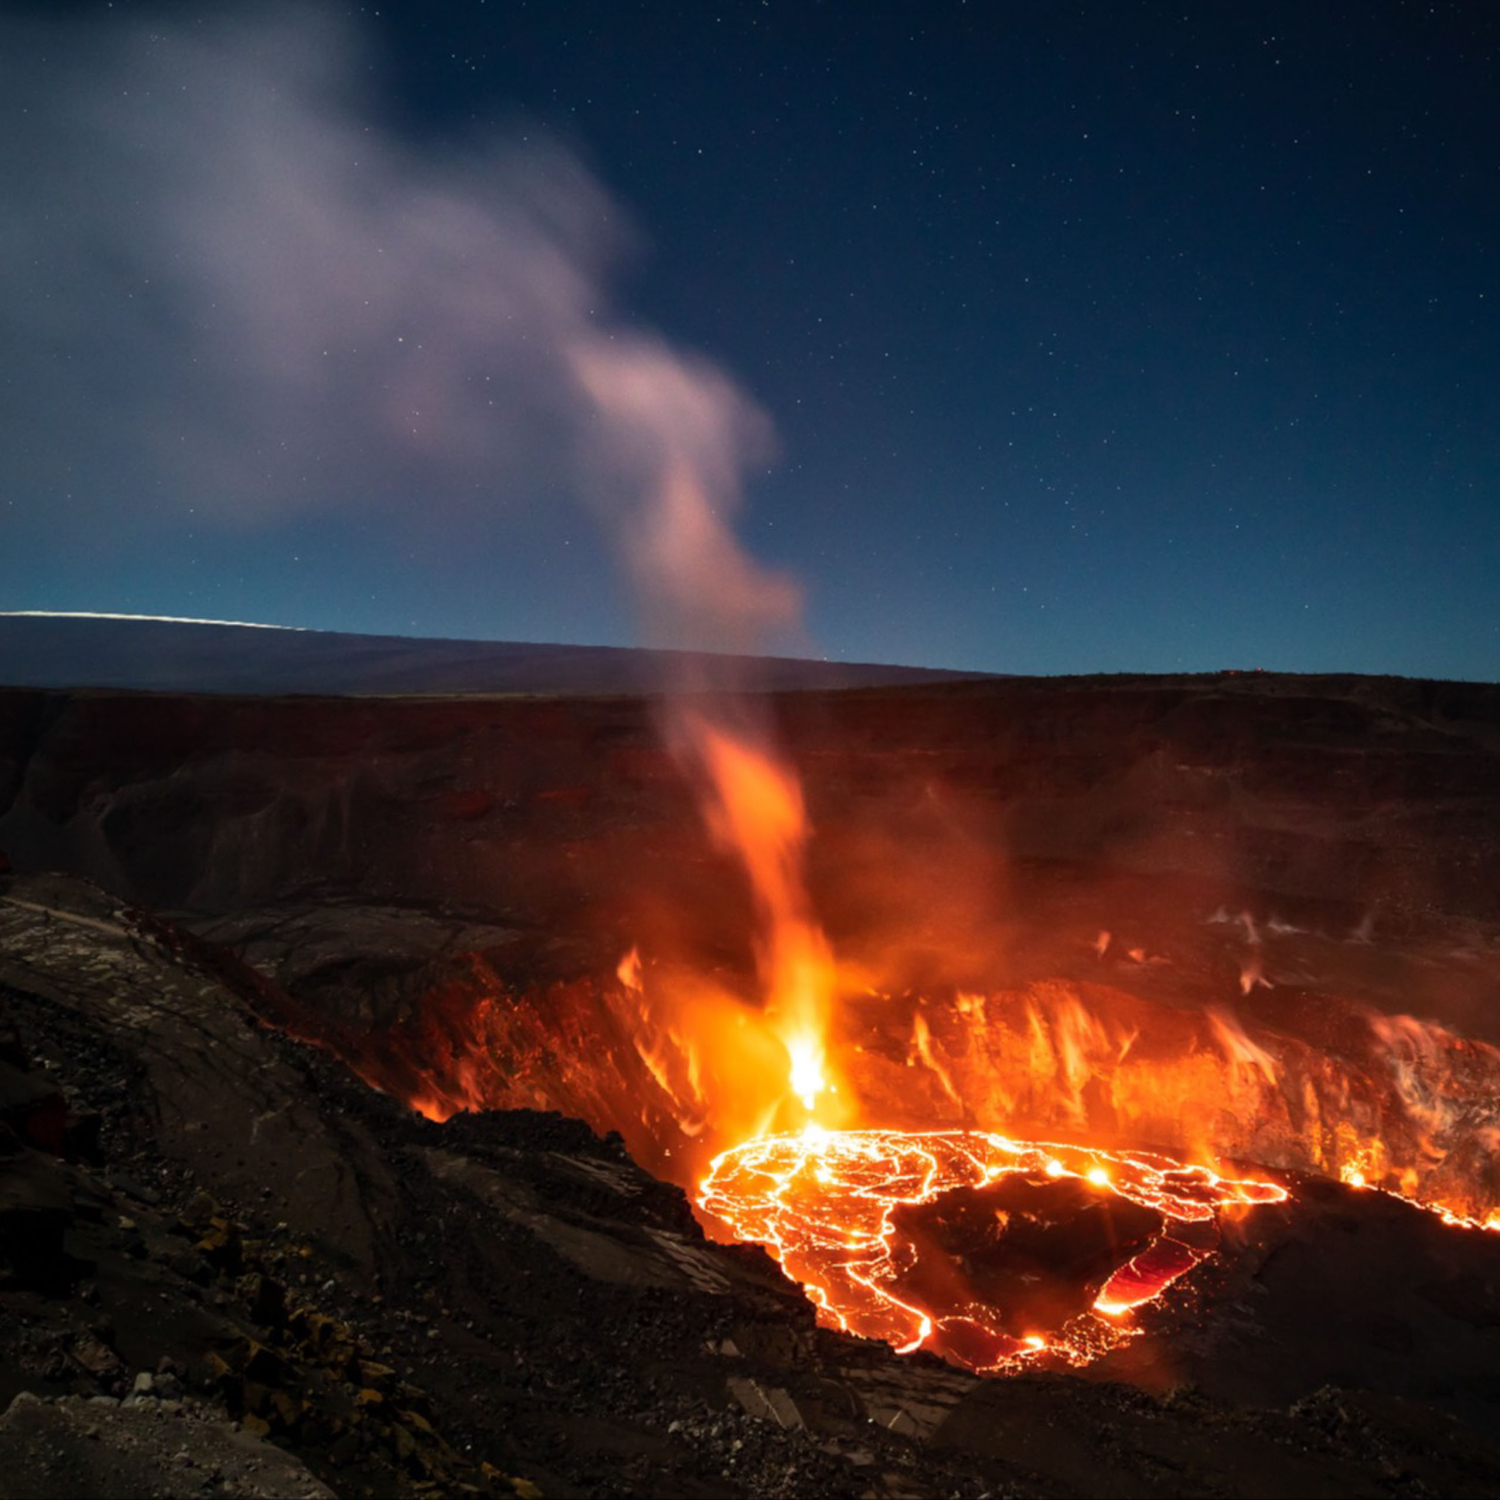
[229,286]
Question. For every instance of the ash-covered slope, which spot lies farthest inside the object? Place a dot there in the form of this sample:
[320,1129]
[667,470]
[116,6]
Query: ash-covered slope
[198,656]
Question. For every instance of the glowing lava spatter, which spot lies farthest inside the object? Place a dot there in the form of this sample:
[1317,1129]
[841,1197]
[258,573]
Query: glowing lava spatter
[753,805]
[830,1207]
[1352,1174]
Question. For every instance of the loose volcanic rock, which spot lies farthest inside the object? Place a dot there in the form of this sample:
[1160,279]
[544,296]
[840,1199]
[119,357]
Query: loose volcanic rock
[101,1449]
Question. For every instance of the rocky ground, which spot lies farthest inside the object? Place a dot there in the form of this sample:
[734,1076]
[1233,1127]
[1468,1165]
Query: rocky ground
[228,1267]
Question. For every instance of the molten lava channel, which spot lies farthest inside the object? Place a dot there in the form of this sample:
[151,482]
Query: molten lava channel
[988,1251]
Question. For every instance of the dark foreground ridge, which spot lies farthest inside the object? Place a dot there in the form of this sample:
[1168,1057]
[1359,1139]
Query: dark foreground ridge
[189,656]
[228,1268]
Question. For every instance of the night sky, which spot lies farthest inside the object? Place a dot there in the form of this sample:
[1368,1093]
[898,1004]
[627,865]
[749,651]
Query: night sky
[1046,337]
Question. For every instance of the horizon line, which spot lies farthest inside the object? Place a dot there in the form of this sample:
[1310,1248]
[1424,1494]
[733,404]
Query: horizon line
[94,614]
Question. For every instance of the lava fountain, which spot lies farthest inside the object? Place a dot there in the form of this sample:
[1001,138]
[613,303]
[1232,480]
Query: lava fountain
[987,1250]
[845,1209]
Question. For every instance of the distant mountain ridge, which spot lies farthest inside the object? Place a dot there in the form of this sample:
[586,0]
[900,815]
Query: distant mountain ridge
[144,654]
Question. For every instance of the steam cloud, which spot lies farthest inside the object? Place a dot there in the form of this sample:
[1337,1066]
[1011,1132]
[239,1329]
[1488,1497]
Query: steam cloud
[228,285]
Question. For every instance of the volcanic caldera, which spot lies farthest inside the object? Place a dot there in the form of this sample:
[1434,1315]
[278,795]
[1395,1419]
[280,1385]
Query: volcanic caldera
[1237,928]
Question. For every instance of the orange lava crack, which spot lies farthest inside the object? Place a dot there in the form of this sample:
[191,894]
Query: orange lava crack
[823,1203]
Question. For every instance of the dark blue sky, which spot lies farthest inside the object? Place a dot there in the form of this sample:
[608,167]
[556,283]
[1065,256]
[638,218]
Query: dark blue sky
[1095,337]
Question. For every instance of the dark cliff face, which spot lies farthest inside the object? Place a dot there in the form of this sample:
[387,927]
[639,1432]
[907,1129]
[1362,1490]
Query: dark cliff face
[1370,793]
[1345,831]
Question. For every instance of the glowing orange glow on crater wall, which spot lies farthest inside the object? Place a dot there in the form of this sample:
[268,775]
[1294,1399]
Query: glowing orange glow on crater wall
[829,1203]
[853,1132]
